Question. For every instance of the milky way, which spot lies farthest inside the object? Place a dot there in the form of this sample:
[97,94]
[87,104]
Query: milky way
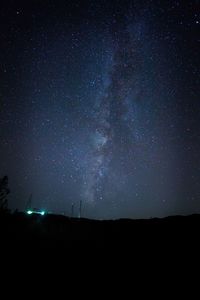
[112,129]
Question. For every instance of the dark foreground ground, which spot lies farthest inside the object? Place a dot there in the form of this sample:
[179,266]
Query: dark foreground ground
[140,252]
[52,231]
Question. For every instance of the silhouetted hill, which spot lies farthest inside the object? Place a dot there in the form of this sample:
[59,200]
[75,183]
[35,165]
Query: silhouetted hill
[56,230]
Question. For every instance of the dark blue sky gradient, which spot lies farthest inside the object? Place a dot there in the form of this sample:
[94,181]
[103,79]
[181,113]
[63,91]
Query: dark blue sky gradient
[100,104]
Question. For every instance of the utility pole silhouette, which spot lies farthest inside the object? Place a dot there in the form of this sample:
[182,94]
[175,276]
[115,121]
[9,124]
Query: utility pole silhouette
[29,202]
[80,208]
[72,211]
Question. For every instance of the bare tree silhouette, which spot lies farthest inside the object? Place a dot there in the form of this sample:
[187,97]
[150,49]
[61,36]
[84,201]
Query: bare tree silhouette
[4,191]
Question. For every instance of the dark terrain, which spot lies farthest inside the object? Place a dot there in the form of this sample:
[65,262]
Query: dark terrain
[20,229]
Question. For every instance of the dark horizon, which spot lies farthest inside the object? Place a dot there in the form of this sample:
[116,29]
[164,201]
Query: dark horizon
[100,104]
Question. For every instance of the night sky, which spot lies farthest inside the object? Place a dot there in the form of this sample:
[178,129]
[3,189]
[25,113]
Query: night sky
[99,103]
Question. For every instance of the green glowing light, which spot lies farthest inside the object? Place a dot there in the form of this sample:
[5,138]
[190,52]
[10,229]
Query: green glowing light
[38,212]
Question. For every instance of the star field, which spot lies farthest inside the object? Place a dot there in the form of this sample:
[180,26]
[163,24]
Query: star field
[100,104]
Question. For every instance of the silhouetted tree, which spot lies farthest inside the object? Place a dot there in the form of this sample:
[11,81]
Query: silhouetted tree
[4,191]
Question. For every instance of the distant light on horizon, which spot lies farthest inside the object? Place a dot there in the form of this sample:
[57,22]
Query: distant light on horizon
[30,212]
